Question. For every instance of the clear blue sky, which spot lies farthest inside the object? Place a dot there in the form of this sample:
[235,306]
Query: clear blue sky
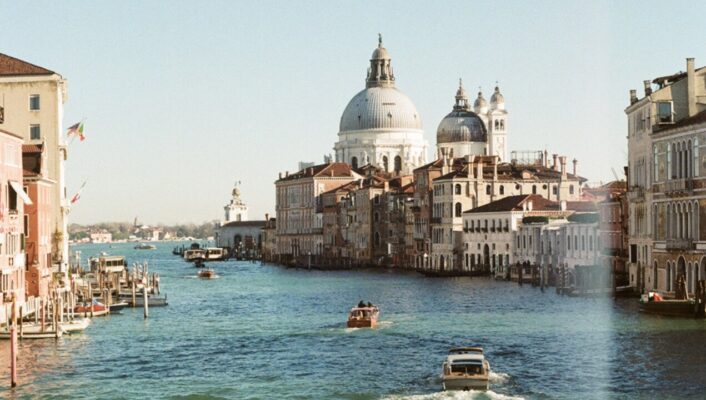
[183,98]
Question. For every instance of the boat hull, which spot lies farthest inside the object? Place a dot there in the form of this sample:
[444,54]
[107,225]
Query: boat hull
[675,308]
[465,383]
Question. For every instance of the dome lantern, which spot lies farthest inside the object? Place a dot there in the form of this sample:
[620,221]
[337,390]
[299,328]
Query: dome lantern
[497,100]
[380,72]
[461,98]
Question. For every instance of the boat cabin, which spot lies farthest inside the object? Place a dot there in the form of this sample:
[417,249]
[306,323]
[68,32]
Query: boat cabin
[464,364]
[108,264]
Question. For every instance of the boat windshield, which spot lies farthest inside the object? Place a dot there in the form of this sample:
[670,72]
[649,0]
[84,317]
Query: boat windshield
[468,369]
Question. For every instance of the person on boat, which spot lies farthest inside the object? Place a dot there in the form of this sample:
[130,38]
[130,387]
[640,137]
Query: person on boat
[370,305]
[361,304]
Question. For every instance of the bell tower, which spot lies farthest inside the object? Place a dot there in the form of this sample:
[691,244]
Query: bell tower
[236,210]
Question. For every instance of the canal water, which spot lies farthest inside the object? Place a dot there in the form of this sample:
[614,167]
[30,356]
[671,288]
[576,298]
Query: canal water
[265,332]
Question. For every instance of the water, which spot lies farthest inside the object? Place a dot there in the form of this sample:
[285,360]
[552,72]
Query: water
[265,332]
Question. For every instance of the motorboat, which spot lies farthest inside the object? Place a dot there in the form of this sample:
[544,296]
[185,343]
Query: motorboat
[465,368]
[75,325]
[94,309]
[363,317]
[33,331]
[654,303]
[118,306]
[145,246]
[207,273]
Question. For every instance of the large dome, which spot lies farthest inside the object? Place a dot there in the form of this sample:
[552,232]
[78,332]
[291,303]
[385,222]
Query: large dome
[461,126]
[380,108]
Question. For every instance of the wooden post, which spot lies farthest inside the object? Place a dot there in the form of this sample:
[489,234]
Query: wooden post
[146,306]
[134,297]
[13,346]
[21,323]
[56,316]
[42,306]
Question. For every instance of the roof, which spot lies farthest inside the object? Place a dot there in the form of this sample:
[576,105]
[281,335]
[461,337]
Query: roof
[335,169]
[696,119]
[514,203]
[455,358]
[233,224]
[11,66]
[11,134]
[32,148]
[510,171]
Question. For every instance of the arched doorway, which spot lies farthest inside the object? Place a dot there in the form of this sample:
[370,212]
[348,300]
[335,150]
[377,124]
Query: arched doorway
[385,164]
[681,268]
[441,263]
[398,164]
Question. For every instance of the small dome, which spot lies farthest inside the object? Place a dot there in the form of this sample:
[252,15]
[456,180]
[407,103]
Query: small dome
[380,108]
[497,97]
[461,126]
[380,53]
[480,102]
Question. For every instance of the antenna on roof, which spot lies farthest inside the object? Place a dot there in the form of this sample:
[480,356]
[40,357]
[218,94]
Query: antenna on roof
[615,174]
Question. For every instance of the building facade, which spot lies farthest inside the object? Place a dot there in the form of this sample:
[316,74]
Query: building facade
[33,108]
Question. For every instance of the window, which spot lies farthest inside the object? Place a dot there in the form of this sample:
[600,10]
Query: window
[487,189]
[385,164]
[457,212]
[554,190]
[398,163]
[354,162]
[34,133]
[664,112]
[376,217]
[376,199]
[12,200]
[34,102]
[502,189]
[571,189]
[457,190]
[534,189]
[26,225]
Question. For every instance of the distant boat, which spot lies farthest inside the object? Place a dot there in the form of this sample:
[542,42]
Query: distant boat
[145,246]
[207,273]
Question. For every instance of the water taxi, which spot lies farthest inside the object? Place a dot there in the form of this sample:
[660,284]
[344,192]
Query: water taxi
[363,317]
[654,303]
[207,273]
[145,246]
[465,368]
[193,254]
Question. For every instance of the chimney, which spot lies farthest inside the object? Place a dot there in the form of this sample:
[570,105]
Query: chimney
[310,171]
[495,169]
[691,86]
[562,160]
[479,169]
[286,174]
[575,162]
[546,159]
[529,205]
[386,187]
[648,87]
[555,166]
[633,96]
[267,217]
[280,175]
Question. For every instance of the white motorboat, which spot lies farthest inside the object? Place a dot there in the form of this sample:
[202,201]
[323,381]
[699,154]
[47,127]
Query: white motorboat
[465,368]
[75,325]
[33,331]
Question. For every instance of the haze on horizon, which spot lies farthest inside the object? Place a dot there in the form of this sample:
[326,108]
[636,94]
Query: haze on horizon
[182,100]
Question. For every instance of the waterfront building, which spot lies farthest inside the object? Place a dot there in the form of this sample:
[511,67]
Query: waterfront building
[38,227]
[33,108]
[300,210]
[12,220]
[380,125]
[666,155]
[269,239]
[482,180]
[101,236]
[236,232]
[613,230]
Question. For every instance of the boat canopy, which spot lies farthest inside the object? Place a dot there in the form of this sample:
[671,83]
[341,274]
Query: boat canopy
[466,350]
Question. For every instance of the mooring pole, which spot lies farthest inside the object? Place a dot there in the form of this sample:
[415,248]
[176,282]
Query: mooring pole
[13,345]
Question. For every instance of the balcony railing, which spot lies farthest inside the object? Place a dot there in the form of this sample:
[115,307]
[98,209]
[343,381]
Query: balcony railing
[678,186]
[680,244]
[636,193]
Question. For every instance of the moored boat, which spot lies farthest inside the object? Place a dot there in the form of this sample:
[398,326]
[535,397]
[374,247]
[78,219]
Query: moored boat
[33,331]
[465,368]
[363,316]
[118,306]
[95,309]
[75,325]
[654,303]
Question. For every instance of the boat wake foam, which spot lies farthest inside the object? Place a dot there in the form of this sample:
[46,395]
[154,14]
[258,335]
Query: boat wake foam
[498,377]
[456,395]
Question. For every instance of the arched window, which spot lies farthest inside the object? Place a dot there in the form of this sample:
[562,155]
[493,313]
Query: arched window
[554,189]
[502,189]
[458,210]
[385,163]
[487,190]
[398,163]
[497,124]
[377,239]
[354,162]
[376,217]
[571,189]
[457,190]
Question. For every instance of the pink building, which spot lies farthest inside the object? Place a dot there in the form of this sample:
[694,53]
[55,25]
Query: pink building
[37,220]
[12,201]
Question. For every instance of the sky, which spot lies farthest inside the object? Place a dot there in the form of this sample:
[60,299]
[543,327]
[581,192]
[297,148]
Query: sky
[183,98]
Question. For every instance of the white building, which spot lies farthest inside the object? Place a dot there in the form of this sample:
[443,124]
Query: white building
[380,125]
[480,132]
[236,210]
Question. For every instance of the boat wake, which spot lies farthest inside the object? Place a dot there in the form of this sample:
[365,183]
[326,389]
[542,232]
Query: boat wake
[456,395]
[498,377]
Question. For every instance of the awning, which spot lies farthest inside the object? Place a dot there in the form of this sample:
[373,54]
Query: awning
[21,192]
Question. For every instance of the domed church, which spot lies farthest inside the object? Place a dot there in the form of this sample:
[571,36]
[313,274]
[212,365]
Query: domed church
[380,125]
[479,132]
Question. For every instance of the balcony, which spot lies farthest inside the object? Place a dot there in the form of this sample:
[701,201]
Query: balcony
[678,187]
[436,220]
[679,244]
[636,193]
